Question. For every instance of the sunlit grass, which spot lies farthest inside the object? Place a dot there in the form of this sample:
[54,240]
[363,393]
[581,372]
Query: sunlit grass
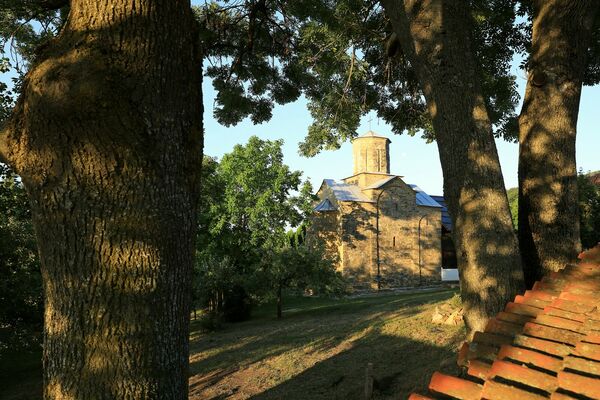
[322,346]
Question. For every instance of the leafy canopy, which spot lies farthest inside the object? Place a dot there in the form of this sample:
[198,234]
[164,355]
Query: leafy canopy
[338,55]
[250,201]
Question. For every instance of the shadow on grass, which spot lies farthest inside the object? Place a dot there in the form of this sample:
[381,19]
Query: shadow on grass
[400,366]
[322,351]
[319,350]
[305,326]
[21,375]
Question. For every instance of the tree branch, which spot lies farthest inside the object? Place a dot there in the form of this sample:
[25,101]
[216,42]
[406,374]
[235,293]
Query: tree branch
[53,4]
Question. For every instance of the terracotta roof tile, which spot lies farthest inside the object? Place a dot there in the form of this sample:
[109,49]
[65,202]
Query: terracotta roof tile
[499,391]
[521,374]
[579,384]
[530,357]
[455,387]
[544,345]
[479,369]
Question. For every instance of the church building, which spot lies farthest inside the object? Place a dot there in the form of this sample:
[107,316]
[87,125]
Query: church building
[382,230]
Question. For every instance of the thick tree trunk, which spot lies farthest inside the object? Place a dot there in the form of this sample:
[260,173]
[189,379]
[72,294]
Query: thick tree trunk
[107,137]
[548,209]
[434,36]
[279,302]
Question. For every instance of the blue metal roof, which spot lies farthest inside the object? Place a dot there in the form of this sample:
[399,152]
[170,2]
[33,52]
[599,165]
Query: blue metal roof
[324,206]
[423,199]
[346,192]
[446,220]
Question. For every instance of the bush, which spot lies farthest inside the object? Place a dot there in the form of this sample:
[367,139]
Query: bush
[220,289]
[237,305]
[210,322]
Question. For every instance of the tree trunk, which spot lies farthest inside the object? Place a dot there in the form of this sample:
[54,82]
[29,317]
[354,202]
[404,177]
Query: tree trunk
[107,138]
[434,35]
[279,302]
[548,209]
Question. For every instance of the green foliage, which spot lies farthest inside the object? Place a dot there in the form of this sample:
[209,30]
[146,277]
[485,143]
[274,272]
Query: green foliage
[356,68]
[302,268]
[220,286]
[20,280]
[249,46]
[589,210]
[6,95]
[25,26]
[264,53]
[296,237]
[513,202]
[258,200]
[249,199]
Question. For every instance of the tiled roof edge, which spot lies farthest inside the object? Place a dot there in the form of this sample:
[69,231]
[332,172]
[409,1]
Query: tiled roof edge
[544,345]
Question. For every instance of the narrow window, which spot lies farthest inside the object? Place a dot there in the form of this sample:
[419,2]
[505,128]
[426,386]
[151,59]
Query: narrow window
[394,241]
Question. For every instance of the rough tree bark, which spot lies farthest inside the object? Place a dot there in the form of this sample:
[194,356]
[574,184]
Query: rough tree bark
[548,210]
[434,36]
[107,137]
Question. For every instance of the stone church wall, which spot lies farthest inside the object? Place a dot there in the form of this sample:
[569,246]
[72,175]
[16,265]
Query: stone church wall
[357,236]
[395,246]
[324,231]
[399,241]
[399,238]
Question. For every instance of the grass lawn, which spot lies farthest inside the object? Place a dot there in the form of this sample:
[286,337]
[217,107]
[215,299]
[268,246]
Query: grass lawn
[319,350]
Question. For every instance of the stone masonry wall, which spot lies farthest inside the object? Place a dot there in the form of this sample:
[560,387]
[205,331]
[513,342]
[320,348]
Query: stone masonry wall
[351,234]
[371,154]
[324,231]
[357,233]
[399,240]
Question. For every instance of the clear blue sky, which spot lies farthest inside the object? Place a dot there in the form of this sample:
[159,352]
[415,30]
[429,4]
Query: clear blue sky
[410,157]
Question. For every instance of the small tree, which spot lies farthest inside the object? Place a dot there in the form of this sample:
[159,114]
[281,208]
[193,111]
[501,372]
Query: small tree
[251,198]
[298,267]
[221,288]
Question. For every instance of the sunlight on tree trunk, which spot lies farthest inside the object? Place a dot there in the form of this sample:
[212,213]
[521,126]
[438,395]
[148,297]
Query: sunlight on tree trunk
[107,138]
[548,210]
[434,36]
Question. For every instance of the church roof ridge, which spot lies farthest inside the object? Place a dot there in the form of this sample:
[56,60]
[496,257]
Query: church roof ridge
[372,173]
